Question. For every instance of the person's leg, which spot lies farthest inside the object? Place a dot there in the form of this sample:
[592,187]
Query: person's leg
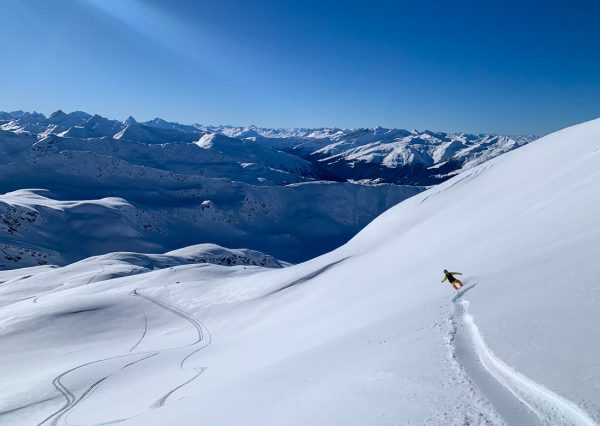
[455,285]
[460,284]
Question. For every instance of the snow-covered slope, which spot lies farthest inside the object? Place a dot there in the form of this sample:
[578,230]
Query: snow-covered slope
[365,334]
[37,230]
[159,211]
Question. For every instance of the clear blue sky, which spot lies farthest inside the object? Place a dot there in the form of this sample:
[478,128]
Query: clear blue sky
[485,66]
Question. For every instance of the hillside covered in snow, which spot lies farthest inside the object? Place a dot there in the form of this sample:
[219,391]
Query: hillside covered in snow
[365,334]
[77,185]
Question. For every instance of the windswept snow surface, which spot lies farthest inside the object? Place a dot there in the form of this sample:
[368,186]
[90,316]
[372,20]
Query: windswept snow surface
[365,334]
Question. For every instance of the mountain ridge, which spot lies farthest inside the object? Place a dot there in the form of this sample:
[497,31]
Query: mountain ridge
[377,155]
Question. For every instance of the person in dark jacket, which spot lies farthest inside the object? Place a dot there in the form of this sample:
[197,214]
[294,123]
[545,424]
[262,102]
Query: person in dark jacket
[456,283]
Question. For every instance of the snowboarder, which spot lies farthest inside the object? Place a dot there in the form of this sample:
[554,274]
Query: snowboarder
[456,283]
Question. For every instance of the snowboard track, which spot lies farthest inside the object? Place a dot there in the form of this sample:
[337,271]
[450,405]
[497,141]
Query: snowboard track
[71,401]
[548,407]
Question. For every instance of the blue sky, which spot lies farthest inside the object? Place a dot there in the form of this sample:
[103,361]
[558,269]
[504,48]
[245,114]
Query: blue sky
[481,66]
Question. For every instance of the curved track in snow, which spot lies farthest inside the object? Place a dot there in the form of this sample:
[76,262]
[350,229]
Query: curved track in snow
[197,326]
[543,405]
[71,401]
[201,338]
[143,334]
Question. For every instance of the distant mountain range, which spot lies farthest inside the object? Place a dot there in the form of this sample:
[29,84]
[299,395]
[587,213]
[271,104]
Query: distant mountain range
[155,186]
[371,155]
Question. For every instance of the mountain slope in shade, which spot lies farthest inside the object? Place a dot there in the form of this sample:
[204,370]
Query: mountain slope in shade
[154,213]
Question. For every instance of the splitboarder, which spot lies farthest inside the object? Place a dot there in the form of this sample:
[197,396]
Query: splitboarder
[456,283]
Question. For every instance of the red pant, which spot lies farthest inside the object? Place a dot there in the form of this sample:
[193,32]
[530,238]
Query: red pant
[457,284]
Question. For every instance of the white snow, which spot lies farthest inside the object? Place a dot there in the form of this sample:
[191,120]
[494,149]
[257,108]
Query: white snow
[365,334]
[549,407]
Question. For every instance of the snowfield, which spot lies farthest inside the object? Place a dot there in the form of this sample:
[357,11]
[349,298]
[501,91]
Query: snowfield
[365,334]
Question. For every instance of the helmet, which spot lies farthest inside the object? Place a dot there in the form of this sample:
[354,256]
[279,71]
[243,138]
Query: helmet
[445,271]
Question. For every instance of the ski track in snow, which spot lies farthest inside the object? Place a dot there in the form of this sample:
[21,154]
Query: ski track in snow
[549,407]
[71,401]
[199,329]
[143,334]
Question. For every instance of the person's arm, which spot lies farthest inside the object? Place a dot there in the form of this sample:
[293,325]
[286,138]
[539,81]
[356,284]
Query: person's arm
[455,273]
[445,278]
